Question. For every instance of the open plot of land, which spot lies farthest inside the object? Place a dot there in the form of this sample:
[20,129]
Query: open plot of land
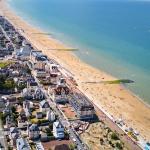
[98,136]
[52,144]
[68,111]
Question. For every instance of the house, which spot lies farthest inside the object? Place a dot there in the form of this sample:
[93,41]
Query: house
[14,134]
[25,51]
[58,130]
[27,105]
[40,73]
[54,73]
[4,72]
[44,106]
[50,116]
[4,52]
[22,144]
[7,110]
[33,132]
[31,83]
[12,100]
[10,121]
[28,113]
[22,119]
[60,92]
[24,42]
[30,93]
[39,94]
[15,73]
[44,137]
[39,115]
[82,105]
[38,60]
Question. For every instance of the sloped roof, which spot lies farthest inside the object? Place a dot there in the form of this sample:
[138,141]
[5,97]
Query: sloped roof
[15,135]
[13,130]
[34,127]
[58,124]
[43,102]
[22,144]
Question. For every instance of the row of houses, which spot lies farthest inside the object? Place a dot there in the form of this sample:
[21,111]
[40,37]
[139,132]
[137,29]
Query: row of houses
[59,91]
[35,106]
[34,133]
[21,115]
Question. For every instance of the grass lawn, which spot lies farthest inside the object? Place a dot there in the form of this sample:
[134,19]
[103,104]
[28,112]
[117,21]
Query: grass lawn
[4,64]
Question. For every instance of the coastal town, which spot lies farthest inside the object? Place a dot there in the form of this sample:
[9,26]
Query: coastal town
[42,108]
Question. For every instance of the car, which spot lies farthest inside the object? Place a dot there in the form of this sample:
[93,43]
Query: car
[59,139]
[74,139]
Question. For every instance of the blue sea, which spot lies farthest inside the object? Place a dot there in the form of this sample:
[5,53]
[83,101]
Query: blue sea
[111,35]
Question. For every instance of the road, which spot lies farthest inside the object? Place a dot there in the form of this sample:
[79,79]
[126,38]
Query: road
[3,141]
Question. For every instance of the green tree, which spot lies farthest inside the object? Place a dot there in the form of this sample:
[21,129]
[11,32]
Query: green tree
[114,136]
[72,146]
[119,146]
[13,109]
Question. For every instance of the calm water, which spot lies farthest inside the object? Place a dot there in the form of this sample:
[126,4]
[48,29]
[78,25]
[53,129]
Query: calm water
[111,35]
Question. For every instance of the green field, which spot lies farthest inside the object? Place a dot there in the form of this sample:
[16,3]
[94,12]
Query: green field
[4,64]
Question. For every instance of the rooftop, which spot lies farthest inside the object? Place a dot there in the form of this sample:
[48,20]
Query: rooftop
[22,144]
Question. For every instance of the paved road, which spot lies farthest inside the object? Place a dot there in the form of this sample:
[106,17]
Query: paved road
[3,142]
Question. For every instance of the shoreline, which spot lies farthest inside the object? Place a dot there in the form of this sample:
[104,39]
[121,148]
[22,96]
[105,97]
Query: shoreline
[50,35]
[83,71]
[57,39]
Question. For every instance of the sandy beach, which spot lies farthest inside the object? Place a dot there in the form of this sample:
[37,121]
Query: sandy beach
[113,98]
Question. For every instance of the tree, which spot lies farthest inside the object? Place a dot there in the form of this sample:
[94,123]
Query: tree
[21,86]
[10,148]
[3,118]
[119,146]
[66,135]
[51,126]
[114,136]
[72,146]
[101,141]
[13,109]
[9,84]
[28,71]
[20,100]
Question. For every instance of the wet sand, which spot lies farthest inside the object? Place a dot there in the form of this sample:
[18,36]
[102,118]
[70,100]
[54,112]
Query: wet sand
[113,98]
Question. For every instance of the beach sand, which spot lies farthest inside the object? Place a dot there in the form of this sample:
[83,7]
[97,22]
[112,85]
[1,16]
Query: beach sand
[113,98]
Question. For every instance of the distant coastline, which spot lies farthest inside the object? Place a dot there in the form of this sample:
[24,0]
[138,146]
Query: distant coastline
[117,96]
[110,58]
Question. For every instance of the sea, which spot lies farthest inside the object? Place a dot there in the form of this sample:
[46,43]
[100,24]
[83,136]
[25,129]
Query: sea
[111,35]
